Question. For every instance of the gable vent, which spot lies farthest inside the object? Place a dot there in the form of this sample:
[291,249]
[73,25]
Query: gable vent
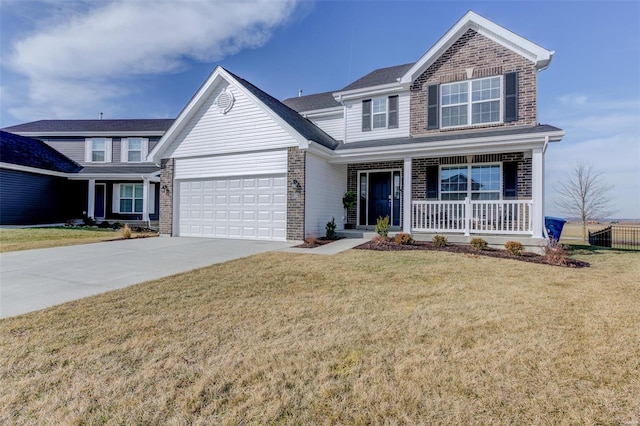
[224,102]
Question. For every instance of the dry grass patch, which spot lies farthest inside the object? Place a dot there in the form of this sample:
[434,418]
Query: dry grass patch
[14,239]
[360,338]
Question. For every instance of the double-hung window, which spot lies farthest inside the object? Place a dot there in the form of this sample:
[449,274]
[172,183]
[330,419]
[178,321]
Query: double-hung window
[471,102]
[131,198]
[98,150]
[380,113]
[478,182]
[134,150]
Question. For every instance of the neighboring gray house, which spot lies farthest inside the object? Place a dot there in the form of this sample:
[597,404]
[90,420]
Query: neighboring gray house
[117,181]
[450,144]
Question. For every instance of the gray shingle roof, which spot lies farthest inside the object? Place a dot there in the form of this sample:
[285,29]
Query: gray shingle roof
[303,126]
[130,169]
[23,151]
[160,125]
[312,102]
[449,136]
[379,76]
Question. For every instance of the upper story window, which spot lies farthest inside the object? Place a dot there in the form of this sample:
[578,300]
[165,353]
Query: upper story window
[134,150]
[473,102]
[97,150]
[380,113]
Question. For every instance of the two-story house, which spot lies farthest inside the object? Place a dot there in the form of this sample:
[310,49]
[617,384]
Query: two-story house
[448,144]
[114,182]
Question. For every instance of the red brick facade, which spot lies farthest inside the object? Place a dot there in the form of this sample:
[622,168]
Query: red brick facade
[296,163]
[166,196]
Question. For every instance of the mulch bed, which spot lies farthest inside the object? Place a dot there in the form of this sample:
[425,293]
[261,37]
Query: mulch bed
[317,242]
[383,245]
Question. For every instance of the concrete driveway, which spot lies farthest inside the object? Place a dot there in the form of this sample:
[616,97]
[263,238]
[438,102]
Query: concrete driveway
[36,279]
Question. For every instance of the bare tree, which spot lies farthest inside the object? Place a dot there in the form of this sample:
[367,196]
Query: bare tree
[585,194]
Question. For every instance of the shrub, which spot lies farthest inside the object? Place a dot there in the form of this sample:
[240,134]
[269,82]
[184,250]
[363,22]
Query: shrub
[382,226]
[440,241]
[381,241]
[350,199]
[126,232]
[117,225]
[89,221]
[513,247]
[555,253]
[311,240]
[478,244]
[404,239]
[331,229]
[104,224]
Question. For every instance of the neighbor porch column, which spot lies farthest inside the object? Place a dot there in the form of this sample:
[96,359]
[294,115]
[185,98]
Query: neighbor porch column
[406,197]
[145,200]
[537,192]
[91,199]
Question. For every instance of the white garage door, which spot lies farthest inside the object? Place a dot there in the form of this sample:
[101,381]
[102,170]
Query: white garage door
[239,207]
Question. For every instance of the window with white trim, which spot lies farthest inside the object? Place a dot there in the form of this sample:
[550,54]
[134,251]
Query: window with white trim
[134,150]
[471,102]
[98,150]
[478,182]
[380,113]
[131,198]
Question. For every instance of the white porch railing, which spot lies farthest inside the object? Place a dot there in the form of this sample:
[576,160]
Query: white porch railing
[473,217]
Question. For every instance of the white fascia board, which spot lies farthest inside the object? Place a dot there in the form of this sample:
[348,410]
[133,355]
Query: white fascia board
[511,143]
[27,169]
[471,20]
[322,112]
[382,89]
[87,134]
[319,150]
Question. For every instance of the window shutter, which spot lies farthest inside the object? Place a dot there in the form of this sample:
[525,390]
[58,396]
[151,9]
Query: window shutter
[152,198]
[366,115]
[432,107]
[124,150]
[393,112]
[144,150]
[510,180]
[432,182]
[88,146]
[511,97]
[107,150]
[115,199]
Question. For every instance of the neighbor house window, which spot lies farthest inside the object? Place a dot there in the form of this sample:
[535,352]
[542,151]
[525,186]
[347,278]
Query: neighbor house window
[380,113]
[471,102]
[134,150]
[98,150]
[478,182]
[131,198]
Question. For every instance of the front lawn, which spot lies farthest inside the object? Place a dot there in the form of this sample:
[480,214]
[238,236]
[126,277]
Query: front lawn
[363,337]
[13,239]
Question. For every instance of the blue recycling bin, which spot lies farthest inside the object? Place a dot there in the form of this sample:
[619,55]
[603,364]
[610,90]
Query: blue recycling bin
[554,226]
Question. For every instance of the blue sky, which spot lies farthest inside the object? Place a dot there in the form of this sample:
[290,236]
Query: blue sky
[145,59]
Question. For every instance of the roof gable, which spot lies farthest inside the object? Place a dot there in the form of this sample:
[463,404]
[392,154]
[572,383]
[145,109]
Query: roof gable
[538,55]
[23,151]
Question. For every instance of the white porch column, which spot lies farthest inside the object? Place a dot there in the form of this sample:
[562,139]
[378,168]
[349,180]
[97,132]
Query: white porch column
[145,199]
[91,199]
[537,192]
[406,197]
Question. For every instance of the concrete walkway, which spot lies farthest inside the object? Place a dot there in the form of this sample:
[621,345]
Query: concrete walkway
[331,248]
[36,279]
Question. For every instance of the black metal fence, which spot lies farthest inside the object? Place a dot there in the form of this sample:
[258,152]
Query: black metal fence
[617,236]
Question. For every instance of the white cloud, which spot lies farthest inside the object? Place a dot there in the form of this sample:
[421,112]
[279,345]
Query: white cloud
[572,99]
[74,64]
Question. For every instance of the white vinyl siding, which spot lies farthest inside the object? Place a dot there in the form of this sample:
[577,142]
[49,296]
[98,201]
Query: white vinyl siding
[253,163]
[354,121]
[116,205]
[244,207]
[134,150]
[325,187]
[97,150]
[333,125]
[246,127]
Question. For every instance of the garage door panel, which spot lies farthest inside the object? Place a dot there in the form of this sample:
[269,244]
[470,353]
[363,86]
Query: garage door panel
[242,207]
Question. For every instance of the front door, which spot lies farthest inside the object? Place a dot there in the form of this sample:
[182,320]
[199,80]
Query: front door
[380,196]
[98,211]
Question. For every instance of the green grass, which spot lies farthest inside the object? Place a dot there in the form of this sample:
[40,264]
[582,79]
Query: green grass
[13,239]
[358,338]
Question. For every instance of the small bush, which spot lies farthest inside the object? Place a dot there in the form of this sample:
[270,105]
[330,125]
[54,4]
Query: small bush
[440,241]
[104,225]
[404,239]
[117,225]
[381,241]
[555,253]
[513,247]
[382,226]
[330,229]
[126,232]
[478,244]
[89,221]
[311,240]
